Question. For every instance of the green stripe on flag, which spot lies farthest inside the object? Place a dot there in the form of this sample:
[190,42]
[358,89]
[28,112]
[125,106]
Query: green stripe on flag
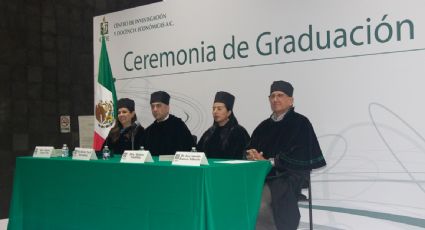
[105,74]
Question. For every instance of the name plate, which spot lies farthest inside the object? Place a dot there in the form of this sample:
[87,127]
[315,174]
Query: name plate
[190,159]
[84,154]
[57,153]
[165,157]
[136,156]
[43,151]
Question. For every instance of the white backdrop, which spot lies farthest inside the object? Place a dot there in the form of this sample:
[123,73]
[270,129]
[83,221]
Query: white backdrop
[365,100]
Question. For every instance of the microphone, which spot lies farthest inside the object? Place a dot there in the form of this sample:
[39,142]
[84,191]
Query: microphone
[136,125]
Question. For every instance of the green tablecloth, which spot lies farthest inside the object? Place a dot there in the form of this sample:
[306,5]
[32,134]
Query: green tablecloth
[61,194]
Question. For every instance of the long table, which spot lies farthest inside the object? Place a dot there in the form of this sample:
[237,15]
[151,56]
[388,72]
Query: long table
[60,193]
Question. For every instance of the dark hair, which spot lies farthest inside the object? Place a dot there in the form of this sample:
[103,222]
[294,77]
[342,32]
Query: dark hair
[232,118]
[115,131]
[232,123]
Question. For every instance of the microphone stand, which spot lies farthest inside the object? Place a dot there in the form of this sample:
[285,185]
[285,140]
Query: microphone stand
[133,132]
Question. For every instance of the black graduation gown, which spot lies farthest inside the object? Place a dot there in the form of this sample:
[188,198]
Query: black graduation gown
[167,137]
[294,145]
[228,142]
[291,141]
[131,138]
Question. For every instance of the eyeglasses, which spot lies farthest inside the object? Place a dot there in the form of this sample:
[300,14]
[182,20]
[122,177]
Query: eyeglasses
[277,95]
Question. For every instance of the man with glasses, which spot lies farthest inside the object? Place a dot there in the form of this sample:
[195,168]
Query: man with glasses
[288,141]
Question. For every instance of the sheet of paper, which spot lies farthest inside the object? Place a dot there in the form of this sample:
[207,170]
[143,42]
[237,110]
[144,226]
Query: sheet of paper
[86,125]
[234,161]
[166,157]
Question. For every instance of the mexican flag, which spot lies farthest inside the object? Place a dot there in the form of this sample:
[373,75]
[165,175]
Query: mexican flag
[105,100]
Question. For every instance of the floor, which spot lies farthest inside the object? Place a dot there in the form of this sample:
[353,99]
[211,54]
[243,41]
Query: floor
[333,220]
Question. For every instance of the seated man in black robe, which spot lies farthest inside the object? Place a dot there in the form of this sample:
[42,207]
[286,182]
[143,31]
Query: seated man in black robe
[288,141]
[168,133]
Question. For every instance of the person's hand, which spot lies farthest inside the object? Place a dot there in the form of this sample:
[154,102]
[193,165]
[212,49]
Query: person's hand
[253,154]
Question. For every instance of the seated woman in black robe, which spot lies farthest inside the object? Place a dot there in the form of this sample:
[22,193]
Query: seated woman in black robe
[127,133]
[225,138]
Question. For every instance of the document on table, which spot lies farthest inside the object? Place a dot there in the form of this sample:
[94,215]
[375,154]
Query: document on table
[234,162]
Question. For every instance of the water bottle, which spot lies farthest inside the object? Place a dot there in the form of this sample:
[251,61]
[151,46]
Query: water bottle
[194,150]
[65,150]
[106,153]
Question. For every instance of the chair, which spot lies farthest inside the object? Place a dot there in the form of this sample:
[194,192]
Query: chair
[301,197]
[310,202]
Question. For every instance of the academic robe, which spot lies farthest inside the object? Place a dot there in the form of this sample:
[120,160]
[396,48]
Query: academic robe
[295,149]
[167,137]
[227,142]
[291,141]
[130,138]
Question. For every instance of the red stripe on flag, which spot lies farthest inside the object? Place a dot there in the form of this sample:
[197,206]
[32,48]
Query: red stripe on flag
[98,142]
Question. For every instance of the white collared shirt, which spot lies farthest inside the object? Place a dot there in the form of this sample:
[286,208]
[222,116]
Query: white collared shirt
[276,118]
[168,115]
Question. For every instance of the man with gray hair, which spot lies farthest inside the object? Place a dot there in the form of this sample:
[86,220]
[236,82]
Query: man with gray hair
[288,141]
